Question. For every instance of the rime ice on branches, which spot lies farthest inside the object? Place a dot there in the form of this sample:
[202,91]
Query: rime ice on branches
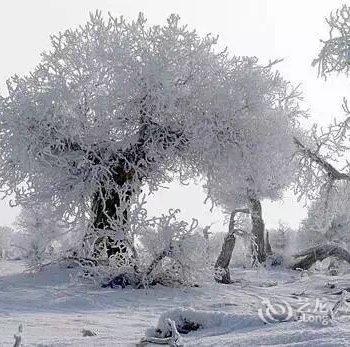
[115,104]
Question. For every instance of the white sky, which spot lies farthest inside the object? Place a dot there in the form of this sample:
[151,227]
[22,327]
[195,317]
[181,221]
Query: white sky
[267,29]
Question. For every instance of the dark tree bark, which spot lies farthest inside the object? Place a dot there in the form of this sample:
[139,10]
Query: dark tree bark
[224,259]
[258,229]
[111,208]
[108,215]
[258,244]
[111,211]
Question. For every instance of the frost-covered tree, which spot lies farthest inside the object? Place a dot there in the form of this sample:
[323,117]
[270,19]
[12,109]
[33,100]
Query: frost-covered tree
[324,171]
[42,238]
[256,161]
[323,156]
[102,111]
[334,55]
[115,104]
[282,239]
[328,219]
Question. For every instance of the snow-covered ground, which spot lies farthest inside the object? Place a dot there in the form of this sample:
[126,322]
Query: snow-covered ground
[54,307]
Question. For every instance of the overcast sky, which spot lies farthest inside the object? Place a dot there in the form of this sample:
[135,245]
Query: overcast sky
[267,29]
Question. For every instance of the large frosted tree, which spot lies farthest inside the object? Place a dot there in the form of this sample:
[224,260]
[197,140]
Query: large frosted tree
[115,104]
[109,105]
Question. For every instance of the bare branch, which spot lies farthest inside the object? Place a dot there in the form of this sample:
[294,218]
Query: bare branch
[331,171]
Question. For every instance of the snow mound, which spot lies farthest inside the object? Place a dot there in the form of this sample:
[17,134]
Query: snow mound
[187,320]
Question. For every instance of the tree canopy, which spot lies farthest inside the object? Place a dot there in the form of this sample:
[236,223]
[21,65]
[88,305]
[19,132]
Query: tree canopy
[117,103]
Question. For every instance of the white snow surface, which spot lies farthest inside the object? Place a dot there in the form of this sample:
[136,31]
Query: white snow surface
[54,306]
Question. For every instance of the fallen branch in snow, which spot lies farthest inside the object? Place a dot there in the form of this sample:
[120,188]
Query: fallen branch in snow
[174,340]
[186,320]
[88,333]
[319,253]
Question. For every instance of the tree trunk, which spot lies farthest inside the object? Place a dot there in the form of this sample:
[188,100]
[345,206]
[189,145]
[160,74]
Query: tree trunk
[111,209]
[258,228]
[111,216]
[109,228]
[106,211]
[223,262]
[111,220]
